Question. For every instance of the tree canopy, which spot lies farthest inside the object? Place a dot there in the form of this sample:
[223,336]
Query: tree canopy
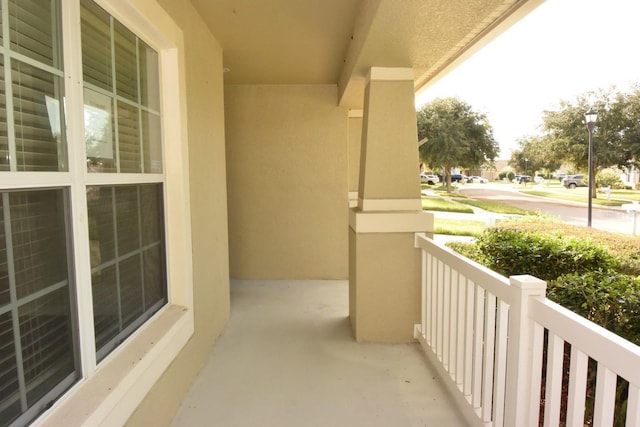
[536,153]
[565,138]
[616,138]
[454,136]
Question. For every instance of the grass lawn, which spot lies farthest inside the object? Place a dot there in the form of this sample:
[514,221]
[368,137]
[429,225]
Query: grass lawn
[442,205]
[495,207]
[577,195]
[457,227]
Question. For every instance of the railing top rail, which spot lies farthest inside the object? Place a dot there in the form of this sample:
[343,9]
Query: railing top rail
[613,351]
[482,276]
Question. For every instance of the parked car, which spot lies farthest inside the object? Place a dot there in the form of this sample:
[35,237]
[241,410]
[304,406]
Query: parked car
[478,179]
[429,179]
[456,177]
[573,181]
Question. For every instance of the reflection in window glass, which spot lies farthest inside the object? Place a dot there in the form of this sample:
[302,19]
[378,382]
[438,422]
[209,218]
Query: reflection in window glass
[34,30]
[135,128]
[127,259]
[38,122]
[126,63]
[96,46]
[129,150]
[37,349]
[4,140]
[98,132]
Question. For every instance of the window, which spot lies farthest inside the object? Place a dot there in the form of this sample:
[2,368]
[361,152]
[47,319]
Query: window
[119,188]
[127,259]
[37,350]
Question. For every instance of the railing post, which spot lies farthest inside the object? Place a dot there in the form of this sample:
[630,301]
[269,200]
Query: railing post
[522,353]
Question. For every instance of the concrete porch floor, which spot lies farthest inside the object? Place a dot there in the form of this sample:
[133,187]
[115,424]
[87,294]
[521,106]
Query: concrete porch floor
[287,358]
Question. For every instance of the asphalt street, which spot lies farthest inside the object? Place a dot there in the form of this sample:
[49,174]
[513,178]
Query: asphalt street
[613,219]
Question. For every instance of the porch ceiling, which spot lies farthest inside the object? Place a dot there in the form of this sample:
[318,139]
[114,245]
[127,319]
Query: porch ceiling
[337,41]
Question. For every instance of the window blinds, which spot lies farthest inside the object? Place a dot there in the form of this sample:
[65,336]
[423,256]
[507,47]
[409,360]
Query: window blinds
[37,87]
[127,257]
[120,66]
[36,324]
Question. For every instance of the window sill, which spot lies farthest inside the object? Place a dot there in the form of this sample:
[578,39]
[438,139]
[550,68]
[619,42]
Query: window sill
[120,383]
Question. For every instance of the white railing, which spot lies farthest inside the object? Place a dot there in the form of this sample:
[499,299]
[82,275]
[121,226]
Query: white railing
[487,336]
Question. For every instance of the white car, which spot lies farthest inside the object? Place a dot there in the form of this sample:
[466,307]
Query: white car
[429,179]
[479,179]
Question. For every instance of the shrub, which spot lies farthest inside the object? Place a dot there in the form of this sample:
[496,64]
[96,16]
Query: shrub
[609,178]
[625,248]
[605,297]
[547,257]
[467,249]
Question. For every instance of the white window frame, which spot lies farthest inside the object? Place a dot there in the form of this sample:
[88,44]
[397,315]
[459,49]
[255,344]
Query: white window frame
[109,392]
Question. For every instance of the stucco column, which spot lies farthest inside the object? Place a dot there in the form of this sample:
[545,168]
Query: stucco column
[384,266]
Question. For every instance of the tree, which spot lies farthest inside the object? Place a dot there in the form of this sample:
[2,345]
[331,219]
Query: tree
[454,135]
[536,153]
[616,138]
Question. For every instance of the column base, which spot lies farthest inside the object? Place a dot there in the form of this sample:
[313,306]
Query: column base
[384,274]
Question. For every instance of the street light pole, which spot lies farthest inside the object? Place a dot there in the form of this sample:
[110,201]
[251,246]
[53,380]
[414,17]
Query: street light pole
[590,117]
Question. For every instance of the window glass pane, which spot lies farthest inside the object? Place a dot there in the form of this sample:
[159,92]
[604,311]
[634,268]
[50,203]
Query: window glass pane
[38,119]
[9,388]
[129,138]
[96,45]
[4,141]
[101,225]
[131,288]
[129,276]
[126,63]
[38,235]
[38,358]
[4,265]
[151,142]
[154,275]
[47,343]
[149,76]
[98,132]
[111,51]
[127,219]
[34,29]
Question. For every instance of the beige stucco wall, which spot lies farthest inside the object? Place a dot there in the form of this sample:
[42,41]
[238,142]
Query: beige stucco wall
[355,149]
[207,176]
[287,177]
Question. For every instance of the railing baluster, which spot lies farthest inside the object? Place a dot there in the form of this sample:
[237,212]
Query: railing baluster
[424,278]
[555,356]
[633,406]
[489,352]
[446,316]
[605,396]
[460,335]
[468,340]
[438,309]
[453,326]
[433,302]
[577,388]
[501,364]
[478,327]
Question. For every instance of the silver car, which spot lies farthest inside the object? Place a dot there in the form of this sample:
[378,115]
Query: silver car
[573,181]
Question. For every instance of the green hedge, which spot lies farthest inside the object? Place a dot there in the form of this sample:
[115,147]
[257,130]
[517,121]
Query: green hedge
[607,298]
[511,252]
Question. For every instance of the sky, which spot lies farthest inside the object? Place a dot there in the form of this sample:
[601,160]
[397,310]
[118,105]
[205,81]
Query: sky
[562,49]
